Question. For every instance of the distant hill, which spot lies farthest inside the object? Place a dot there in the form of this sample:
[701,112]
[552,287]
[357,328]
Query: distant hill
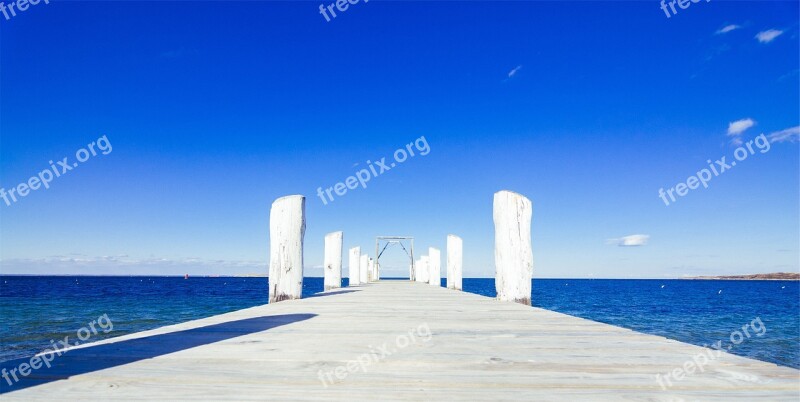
[785,276]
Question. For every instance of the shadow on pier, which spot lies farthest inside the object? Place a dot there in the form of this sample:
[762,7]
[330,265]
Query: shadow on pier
[330,293]
[94,358]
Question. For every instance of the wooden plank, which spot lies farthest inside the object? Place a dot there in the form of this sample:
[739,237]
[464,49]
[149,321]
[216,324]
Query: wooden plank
[477,349]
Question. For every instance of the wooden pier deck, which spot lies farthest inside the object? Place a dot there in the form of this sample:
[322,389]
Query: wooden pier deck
[422,342]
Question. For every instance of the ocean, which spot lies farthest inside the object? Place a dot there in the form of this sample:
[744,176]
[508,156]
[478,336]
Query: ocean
[38,309]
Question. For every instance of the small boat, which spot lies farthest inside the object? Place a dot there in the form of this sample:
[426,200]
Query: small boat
[186,276]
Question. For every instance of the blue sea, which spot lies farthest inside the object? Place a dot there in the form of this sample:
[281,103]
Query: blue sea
[36,310]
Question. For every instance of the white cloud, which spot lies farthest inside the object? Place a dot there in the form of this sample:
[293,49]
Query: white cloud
[630,241]
[791,134]
[768,35]
[513,72]
[739,126]
[728,28]
[125,265]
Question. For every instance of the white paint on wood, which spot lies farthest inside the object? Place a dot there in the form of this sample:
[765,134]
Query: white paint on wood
[454,262]
[364,269]
[513,255]
[333,260]
[371,270]
[434,267]
[287,226]
[355,266]
[422,269]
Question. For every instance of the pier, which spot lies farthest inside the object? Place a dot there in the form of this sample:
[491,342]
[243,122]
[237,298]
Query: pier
[397,340]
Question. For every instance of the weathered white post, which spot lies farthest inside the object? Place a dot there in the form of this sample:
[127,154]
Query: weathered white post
[513,255]
[364,269]
[287,226]
[434,267]
[418,270]
[422,271]
[454,262]
[333,260]
[372,271]
[355,266]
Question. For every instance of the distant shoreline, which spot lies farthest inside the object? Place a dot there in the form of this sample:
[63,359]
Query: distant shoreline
[777,276]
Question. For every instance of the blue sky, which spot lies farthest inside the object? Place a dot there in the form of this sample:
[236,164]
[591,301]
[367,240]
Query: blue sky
[216,109]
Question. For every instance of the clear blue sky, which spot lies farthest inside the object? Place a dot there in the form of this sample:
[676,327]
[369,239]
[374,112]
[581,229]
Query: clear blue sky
[216,109]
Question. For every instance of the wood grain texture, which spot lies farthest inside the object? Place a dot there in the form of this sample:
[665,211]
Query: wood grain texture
[479,349]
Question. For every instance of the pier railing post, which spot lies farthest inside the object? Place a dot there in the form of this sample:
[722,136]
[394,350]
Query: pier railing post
[454,262]
[355,266]
[513,255]
[434,267]
[422,269]
[412,276]
[364,269]
[372,277]
[287,226]
[333,260]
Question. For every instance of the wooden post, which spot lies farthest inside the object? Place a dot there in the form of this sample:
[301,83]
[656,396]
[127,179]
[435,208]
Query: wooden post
[372,276]
[513,255]
[434,267]
[363,269]
[333,260]
[287,226]
[355,266]
[422,269]
[413,274]
[454,262]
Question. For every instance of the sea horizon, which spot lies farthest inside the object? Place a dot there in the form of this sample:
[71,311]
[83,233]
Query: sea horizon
[628,303]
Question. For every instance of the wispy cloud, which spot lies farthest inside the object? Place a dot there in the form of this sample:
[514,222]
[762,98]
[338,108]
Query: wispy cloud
[630,241]
[727,28]
[791,134]
[788,75]
[736,128]
[124,264]
[768,35]
[514,71]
